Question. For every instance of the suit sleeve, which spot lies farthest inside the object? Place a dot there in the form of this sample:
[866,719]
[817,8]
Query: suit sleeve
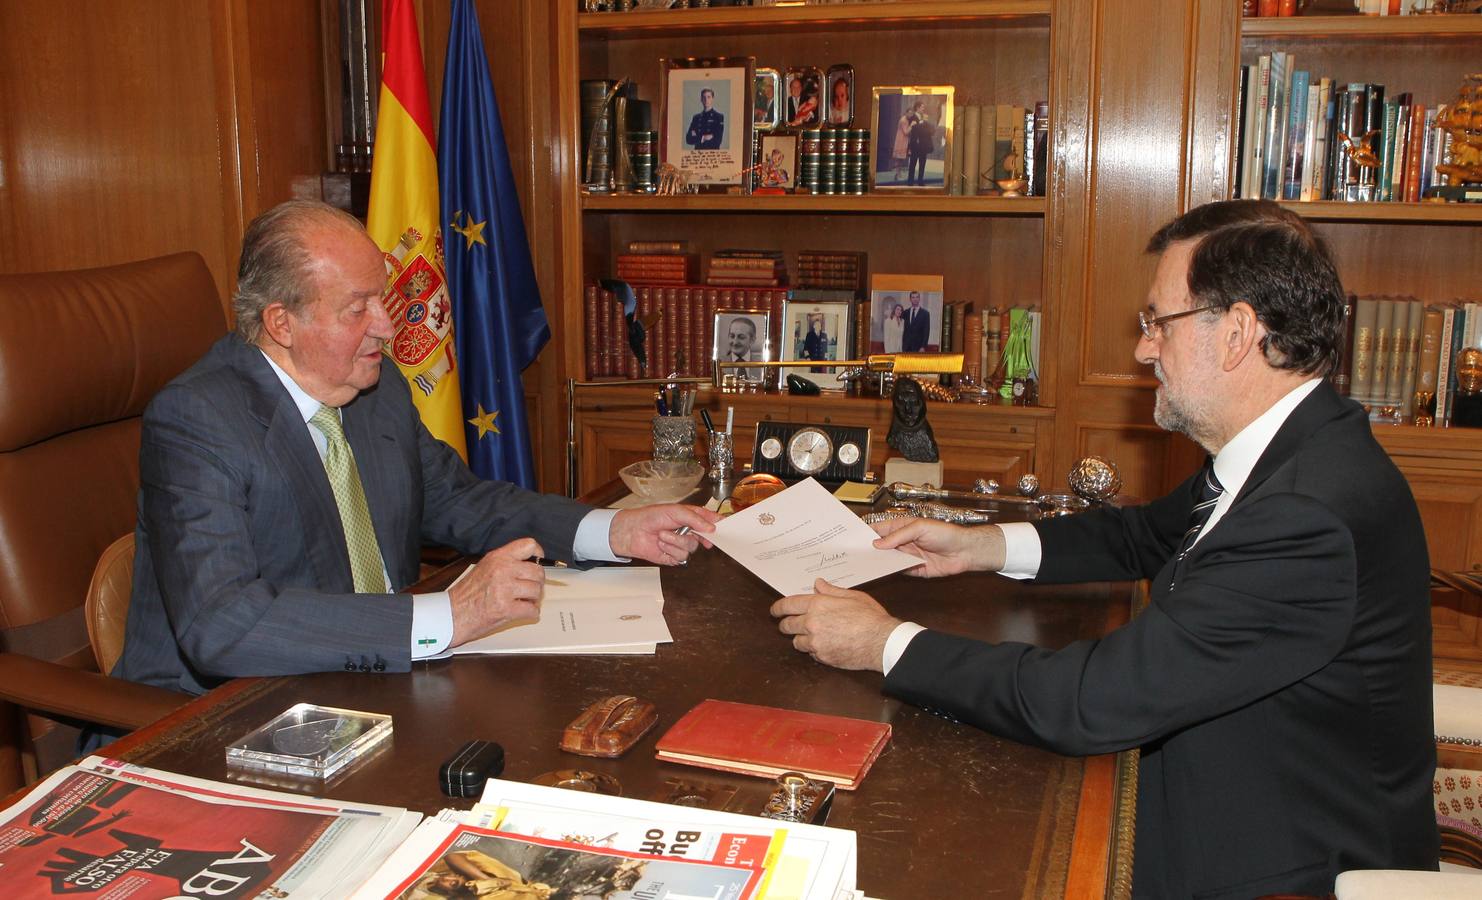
[202,501]
[1267,598]
[1114,544]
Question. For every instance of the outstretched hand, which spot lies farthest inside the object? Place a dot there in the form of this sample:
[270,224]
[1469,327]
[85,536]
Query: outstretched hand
[837,626]
[944,549]
[652,533]
[500,588]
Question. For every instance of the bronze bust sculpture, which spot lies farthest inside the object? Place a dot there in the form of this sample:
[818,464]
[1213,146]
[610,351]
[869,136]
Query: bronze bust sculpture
[910,433]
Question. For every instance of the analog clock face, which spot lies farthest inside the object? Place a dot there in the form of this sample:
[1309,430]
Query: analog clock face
[809,451]
[771,448]
[849,453]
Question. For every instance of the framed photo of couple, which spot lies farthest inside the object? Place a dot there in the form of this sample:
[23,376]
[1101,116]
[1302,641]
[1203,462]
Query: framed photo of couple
[705,113]
[913,138]
[817,330]
[905,313]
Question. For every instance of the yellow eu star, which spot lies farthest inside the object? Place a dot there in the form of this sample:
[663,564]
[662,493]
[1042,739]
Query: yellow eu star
[472,231]
[484,421]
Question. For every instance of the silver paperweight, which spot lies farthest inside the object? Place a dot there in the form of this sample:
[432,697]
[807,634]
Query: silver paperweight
[310,741]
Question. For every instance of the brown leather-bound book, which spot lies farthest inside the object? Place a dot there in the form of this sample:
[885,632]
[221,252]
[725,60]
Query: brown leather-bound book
[1343,377]
[646,308]
[591,337]
[671,330]
[1413,153]
[686,309]
[766,741]
[605,304]
[972,342]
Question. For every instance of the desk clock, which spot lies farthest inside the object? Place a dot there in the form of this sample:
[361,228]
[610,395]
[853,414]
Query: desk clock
[793,451]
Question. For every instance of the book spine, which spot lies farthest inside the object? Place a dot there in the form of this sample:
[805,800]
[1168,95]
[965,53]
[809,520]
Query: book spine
[1343,375]
[1241,133]
[1040,167]
[1003,144]
[1036,327]
[1366,310]
[1309,160]
[1321,175]
[1430,151]
[712,304]
[1281,81]
[646,308]
[972,340]
[1018,141]
[1430,360]
[1415,324]
[1383,349]
[861,329]
[965,152]
[1387,150]
[1458,333]
[1397,151]
[647,247]
[987,149]
[1399,341]
[1373,136]
[1347,180]
[671,329]
[1296,140]
[590,328]
[1258,132]
[1443,366]
[1413,143]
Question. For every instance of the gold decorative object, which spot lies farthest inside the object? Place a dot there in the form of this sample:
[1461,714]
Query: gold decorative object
[1462,119]
[1359,150]
[1422,408]
[674,180]
[1469,371]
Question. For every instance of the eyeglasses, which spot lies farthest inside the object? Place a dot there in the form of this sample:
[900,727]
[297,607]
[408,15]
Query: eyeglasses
[1147,323]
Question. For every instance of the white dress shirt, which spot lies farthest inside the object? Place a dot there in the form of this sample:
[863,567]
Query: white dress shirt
[432,614]
[1232,466]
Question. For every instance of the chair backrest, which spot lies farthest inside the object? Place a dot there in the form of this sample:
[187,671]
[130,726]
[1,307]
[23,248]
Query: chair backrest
[81,354]
[107,607]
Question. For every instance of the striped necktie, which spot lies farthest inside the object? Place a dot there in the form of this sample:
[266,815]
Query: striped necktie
[349,495]
[1210,490]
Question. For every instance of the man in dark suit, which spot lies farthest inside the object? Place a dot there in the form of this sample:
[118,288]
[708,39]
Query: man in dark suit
[707,126]
[287,485]
[917,331]
[1278,684]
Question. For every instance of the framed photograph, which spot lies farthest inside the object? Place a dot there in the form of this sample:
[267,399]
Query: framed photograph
[777,163]
[766,108]
[913,138]
[803,107]
[905,313]
[742,335]
[817,330]
[706,120]
[839,113]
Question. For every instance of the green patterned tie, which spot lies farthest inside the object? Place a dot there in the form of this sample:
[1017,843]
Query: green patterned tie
[349,496]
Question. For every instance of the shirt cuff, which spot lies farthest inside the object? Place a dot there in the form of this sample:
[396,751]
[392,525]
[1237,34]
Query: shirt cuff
[432,624]
[895,645]
[591,542]
[1021,551]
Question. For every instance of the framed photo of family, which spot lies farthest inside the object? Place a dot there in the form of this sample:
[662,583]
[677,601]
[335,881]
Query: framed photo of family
[913,138]
[742,335]
[705,113]
[840,92]
[766,104]
[905,313]
[803,104]
[817,330]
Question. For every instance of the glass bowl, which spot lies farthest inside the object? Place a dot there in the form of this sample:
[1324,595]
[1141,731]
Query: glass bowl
[662,481]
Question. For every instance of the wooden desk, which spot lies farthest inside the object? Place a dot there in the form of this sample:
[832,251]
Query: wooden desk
[947,810]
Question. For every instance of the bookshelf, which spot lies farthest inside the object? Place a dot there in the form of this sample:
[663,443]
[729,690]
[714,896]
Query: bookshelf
[1425,250]
[988,249]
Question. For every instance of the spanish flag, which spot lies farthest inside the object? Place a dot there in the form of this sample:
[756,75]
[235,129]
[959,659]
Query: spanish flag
[404,221]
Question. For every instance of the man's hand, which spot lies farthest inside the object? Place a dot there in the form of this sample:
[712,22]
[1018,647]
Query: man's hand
[945,549]
[651,532]
[836,626]
[503,586]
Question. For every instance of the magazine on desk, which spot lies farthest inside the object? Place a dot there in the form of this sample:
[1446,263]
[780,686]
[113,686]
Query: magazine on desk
[559,843]
[110,830]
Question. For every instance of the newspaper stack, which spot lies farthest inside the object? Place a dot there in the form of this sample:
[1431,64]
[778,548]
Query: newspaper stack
[541,842]
[109,829]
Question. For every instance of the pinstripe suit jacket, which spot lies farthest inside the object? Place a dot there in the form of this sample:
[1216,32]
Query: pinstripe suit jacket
[240,565]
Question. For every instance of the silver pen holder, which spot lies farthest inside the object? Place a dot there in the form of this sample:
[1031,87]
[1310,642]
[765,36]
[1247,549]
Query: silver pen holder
[674,437]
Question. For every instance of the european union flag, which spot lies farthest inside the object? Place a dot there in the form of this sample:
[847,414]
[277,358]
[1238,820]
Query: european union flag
[498,323]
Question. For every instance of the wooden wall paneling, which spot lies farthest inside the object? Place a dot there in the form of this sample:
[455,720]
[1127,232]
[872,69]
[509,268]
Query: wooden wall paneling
[1212,101]
[116,133]
[1149,459]
[281,83]
[1433,263]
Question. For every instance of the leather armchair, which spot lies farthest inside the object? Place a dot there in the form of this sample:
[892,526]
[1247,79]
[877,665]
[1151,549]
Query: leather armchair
[81,354]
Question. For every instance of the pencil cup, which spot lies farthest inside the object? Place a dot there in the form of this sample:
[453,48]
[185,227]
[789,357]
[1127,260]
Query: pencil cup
[674,437]
[722,456]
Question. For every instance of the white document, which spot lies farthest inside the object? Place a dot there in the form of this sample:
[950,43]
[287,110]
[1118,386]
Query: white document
[616,610]
[803,533]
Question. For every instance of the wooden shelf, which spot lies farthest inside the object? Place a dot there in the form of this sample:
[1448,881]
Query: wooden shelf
[601,396]
[875,204]
[759,20]
[1416,213]
[1375,27]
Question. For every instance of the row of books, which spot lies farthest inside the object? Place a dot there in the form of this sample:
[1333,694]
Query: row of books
[1273,8]
[671,263]
[1308,137]
[997,144]
[1404,355]
[682,340]
[988,339]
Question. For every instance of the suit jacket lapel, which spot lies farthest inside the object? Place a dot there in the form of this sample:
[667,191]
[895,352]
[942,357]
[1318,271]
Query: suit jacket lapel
[287,444]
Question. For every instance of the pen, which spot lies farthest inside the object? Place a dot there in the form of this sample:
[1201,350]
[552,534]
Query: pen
[730,415]
[659,404]
[552,581]
[705,417]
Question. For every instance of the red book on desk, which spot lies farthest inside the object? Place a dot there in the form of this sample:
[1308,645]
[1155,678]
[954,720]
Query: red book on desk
[766,741]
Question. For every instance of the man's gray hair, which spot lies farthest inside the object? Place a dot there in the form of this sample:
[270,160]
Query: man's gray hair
[276,266]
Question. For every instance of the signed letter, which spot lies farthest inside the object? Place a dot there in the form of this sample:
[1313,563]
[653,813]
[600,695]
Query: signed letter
[804,533]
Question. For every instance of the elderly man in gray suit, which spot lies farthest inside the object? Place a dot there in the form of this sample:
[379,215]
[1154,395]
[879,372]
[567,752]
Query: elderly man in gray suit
[287,485]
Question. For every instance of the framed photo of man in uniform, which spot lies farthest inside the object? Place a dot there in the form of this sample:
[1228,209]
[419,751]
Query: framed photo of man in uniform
[705,117]
[742,335]
[817,330]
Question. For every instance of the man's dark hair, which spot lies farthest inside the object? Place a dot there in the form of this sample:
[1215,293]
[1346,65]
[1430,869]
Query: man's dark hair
[1268,256]
[704,91]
